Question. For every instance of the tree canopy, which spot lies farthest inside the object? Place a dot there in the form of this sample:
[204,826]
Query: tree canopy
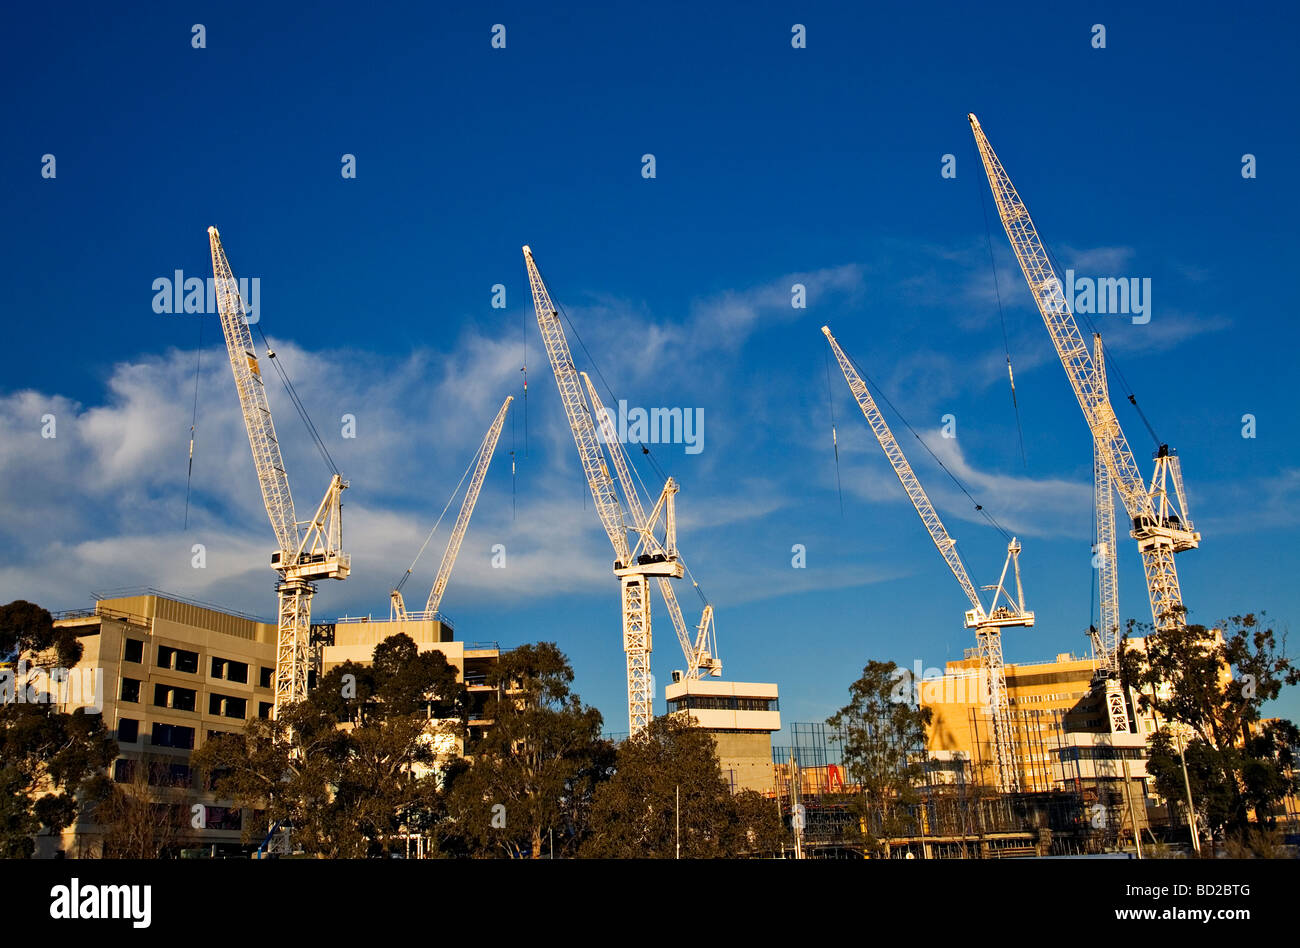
[1214,687]
[51,762]
[666,778]
[353,763]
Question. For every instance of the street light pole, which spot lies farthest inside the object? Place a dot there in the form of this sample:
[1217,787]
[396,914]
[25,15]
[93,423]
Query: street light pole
[678,819]
[1187,785]
[1132,813]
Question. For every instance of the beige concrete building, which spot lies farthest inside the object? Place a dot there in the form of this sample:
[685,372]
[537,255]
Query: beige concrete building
[174,674]
[354,639]
[1060,725]
[741,716]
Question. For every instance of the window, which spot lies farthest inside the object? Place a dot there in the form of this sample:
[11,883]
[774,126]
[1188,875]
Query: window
[133,652]
[131,689]
[230,670]
[123,770]
[266,677]
[264,709]
[227,705]
[163,774]
[170,696]
[128,730]
[178,659]
[223,818]
[173,735]
[723,703]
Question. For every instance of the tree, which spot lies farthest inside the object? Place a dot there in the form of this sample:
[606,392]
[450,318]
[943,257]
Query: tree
[137,825]
[27,629]
[352,764]
[1216,686]
[51,762]
[534,771]
[756,825]
[668,775]
[883,740]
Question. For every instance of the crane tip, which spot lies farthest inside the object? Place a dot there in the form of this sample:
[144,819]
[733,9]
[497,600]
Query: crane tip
[970,117]
[212,232]
[528,250]
[826,330]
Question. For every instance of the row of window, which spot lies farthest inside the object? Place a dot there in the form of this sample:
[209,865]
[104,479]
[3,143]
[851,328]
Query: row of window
[723,703]
[158,773]
[185,699]
[178,735]
[184,660]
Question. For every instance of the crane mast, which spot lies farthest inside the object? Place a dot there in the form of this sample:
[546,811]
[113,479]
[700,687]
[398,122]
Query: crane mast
[483,458]
[1003,611]
[308,551]
[1107,640]
[1158,514]
[1107,575]
[633,566]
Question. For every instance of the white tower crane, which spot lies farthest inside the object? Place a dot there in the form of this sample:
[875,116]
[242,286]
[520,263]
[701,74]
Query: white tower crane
[1157,513]
[650,556]
[1003,611]
[310,550]
[482,459]
[699,654]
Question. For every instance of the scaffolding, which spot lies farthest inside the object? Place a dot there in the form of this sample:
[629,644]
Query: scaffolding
[954,815]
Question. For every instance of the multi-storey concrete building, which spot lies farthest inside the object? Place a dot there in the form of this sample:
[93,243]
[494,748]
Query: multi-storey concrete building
[175,673]
[741,716]
[354,639]
[1060,726]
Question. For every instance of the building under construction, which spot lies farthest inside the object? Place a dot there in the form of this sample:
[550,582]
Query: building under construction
[949,815]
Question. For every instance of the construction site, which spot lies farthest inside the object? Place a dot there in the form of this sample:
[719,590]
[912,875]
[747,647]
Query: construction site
[1019,758]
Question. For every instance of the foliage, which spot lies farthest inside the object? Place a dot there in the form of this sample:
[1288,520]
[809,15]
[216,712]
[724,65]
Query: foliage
[26,628]
[1216,687]
[349,766]
[884,738]
[669,770]
[51,763]
[535,769]
[136,824]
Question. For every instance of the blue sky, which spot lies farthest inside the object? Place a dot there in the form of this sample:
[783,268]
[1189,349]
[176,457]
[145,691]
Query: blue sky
[773,166]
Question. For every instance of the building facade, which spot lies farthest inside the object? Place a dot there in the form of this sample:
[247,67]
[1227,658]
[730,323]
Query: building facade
[175,673]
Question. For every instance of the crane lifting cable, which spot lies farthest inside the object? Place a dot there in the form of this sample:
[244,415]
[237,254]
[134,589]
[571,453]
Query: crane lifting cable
[297,402]
[524,370]
[194,420]
[1002,319]
[645,451]
[450,500]
[1111,364]
[979,508]
[835,441]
